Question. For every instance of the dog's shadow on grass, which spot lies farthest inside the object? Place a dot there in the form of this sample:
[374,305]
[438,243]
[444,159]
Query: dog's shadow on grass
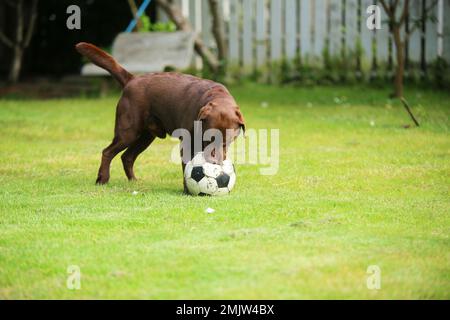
[139,188]
[164,190]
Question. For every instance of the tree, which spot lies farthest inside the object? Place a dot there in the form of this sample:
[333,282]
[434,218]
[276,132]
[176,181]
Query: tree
[218,29]
[396,20]
[174,13]
[134,11]
[22,37]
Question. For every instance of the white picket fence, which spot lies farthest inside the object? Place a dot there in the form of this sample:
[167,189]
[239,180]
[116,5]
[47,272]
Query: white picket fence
[263,31]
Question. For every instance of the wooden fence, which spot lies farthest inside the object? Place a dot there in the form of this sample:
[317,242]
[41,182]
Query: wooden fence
[263,31]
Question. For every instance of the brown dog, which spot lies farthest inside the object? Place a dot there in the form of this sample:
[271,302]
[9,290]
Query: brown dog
[155,104]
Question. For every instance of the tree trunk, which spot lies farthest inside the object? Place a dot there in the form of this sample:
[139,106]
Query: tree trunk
[400,70]
[22,38]
[134,11]
[16,65]
[218,28]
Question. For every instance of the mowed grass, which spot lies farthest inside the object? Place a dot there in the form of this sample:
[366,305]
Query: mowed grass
[354,189]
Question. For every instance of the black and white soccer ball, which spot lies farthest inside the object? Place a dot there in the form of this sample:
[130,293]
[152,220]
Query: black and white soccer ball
[205,178]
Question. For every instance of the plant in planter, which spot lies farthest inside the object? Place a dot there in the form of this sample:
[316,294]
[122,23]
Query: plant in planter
[147,25]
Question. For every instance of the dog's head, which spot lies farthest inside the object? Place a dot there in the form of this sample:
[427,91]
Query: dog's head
[226,118]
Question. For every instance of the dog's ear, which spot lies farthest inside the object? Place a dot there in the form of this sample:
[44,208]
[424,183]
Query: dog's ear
[204,112]
[241,120]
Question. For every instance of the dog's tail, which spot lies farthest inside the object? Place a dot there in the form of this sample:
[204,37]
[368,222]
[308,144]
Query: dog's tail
[102,59]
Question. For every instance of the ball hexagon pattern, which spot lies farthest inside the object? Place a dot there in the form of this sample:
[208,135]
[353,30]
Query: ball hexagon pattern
[204,178]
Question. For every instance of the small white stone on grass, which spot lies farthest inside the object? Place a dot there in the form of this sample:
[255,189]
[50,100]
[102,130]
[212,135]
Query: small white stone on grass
[210,210]
[134,193]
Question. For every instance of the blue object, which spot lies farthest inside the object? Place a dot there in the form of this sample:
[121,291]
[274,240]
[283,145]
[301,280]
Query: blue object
[141,10]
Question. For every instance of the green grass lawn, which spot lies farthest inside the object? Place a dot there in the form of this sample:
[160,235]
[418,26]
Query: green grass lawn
[354,189]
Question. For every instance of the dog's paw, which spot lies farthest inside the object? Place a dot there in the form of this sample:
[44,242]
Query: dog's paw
[186,191]
[101,181]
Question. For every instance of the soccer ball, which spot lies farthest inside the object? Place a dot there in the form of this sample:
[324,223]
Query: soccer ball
[204,178]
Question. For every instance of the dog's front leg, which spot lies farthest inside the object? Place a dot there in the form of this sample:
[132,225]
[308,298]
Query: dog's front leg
[185,189]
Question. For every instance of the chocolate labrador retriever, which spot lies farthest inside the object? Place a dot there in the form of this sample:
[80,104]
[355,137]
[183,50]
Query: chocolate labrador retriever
[155,104]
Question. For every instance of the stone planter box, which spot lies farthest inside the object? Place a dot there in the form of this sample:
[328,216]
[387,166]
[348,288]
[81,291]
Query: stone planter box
[149,52]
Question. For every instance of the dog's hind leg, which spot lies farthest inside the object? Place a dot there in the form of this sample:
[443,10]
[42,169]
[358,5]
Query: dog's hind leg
[133,151]
[126,132]
[116,146]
